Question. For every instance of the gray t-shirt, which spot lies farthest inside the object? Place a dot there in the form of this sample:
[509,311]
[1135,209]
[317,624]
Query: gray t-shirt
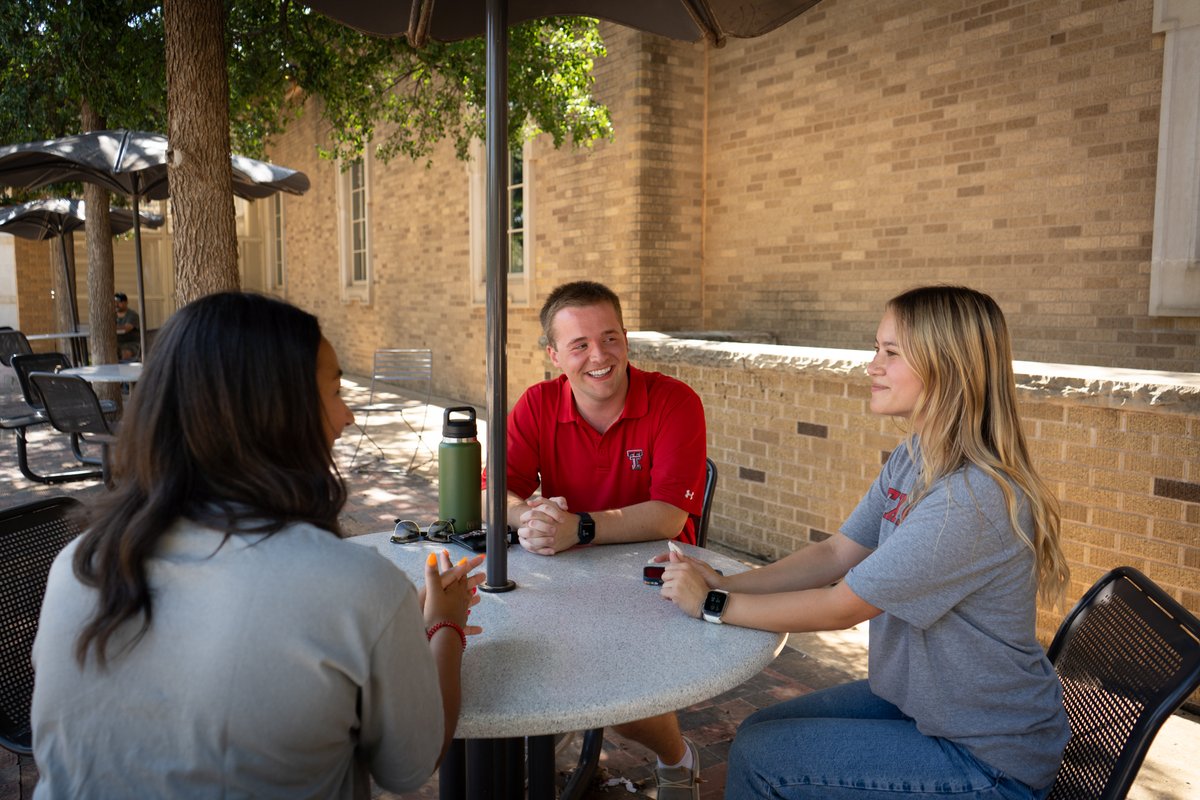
[284,667]
[956,646]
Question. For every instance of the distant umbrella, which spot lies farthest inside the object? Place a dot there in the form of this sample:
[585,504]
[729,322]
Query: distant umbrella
[45,219]
[133,164]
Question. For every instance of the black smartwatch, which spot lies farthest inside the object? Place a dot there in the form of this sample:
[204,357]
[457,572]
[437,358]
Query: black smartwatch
[587,528]
[714,605]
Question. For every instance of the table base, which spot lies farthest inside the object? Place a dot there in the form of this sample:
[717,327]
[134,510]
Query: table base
[482,769]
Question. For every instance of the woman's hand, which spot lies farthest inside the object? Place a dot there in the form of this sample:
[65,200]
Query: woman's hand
[712,578]
[449,590]
[686,582]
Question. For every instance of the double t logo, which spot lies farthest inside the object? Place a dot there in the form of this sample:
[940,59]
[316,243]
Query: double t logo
[896,516]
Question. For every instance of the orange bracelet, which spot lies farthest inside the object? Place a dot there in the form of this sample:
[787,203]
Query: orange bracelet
[432,629]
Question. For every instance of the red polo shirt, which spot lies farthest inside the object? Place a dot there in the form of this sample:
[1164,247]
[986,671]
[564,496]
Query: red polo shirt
[654,451]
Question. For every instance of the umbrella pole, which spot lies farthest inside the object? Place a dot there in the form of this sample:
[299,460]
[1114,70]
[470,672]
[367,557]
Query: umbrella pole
[62,240]
[497,298]
[137,251]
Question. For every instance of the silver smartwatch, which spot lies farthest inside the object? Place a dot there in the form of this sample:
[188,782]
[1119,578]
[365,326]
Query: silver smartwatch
[714,605]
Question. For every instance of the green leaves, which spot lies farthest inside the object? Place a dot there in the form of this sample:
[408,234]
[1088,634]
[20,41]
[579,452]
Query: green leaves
[56,54]
[404,101]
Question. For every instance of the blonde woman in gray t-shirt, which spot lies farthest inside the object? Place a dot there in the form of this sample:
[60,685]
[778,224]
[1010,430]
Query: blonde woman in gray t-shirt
[946,556]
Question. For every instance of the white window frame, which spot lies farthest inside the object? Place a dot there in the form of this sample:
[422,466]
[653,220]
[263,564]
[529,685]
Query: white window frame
[354,288]
[1175,252]
[276,249]
[519,282]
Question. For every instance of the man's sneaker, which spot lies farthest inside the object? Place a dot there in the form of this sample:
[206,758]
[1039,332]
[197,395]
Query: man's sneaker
[679,783]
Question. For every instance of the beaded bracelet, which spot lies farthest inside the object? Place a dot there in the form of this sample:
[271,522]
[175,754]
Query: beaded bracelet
[432,629]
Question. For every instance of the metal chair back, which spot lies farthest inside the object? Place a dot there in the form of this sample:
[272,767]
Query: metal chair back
[11,343]
[409,370]
[71,404]
[710,488]
[1128,655]
[402,369]
[28,363]
[31,535]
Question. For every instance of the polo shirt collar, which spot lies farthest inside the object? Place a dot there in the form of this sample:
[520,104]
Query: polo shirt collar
[637,398]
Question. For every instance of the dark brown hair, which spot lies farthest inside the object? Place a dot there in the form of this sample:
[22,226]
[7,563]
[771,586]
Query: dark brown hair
[575,295]
[225,428]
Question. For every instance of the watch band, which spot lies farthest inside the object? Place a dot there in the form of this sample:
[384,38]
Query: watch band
[587,528]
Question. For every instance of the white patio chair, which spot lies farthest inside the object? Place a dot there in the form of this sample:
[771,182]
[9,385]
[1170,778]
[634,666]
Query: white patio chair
[407,371]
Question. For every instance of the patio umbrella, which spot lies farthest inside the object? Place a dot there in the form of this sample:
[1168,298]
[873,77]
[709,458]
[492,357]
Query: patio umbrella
[686,20]
[56,217]
[133,164]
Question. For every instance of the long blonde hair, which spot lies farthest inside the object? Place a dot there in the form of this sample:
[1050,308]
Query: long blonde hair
[956,341]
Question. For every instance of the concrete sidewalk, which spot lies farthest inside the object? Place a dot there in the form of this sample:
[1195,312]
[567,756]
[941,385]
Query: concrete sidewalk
[382,488]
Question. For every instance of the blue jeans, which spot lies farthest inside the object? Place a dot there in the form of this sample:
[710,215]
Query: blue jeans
[845,742]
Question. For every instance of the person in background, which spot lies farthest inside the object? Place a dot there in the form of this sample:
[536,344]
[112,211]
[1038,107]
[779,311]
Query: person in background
[210,634]
[129,343]
[946,556]
[617,455]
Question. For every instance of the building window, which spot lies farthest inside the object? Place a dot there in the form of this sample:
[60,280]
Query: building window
[354,216]
[1175,253]
[516,213]
[518,216]
[276,238]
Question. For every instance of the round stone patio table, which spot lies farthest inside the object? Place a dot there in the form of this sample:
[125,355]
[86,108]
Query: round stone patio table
[583,642]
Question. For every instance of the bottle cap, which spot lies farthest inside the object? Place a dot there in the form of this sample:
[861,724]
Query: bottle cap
[459,428]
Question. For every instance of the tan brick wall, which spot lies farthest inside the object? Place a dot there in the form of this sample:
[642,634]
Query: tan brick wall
[419,236]
[796,448]
[35,298]
[872,145]
[626,212]
[792,183]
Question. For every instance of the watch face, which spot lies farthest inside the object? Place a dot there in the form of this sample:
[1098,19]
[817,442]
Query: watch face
[587,528]
[714,604]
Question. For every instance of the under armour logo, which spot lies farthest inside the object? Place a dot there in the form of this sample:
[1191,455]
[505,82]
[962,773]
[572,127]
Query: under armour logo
[689,494]
[635,458]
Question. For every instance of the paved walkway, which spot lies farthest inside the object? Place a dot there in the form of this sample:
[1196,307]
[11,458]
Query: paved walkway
[382,488]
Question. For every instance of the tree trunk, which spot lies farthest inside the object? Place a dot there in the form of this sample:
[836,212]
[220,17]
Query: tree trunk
[102,336]
[201,178]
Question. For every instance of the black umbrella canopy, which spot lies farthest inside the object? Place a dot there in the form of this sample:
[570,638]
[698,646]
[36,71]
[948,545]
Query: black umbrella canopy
[56,217]
[130,163]
[686,20]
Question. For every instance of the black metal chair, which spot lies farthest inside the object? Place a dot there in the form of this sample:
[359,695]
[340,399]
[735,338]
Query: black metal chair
[72,407]
[710,487]
[31,535]
[25,365]
[1128,656]
[396,370]
[11,343]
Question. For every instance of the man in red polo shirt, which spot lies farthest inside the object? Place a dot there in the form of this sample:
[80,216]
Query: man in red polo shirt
[618,456]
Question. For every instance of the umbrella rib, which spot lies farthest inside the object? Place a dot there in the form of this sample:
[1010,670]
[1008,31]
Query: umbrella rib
[702,15]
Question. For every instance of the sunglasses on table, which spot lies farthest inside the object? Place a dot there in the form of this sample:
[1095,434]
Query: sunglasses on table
[407,531]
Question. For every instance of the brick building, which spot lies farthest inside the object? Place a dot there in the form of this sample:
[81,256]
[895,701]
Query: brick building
[782,188]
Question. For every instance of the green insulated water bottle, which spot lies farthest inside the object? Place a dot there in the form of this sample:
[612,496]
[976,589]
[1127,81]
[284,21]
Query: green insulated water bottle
[459,468]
